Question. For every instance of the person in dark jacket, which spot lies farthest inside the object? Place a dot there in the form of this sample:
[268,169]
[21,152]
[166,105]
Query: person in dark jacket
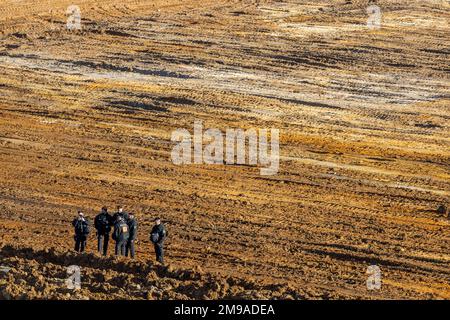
[81,228]
[103,223]
[120,213]
[133,227]
[157,237]
[120,235]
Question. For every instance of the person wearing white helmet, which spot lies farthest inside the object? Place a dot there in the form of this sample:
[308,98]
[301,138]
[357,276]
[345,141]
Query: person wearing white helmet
[81,228]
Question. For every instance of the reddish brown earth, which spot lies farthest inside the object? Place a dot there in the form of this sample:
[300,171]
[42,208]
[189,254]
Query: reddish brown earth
[86,119]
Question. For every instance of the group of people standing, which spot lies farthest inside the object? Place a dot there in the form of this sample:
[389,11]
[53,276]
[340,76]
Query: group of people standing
[124,229]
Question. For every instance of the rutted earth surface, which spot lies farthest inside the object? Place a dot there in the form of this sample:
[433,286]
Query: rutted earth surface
[86,119]
[41,275]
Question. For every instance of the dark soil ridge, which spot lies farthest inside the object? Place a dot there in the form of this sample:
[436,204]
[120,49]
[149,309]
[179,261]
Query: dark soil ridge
[41,274]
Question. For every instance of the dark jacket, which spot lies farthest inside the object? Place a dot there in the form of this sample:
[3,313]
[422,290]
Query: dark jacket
[161,233]
[81,227]
[133,228]
[121,231]
[122,214]
[103,223]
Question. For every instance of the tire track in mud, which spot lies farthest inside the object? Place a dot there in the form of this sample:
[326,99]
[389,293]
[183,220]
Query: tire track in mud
[72,137]
[42,274]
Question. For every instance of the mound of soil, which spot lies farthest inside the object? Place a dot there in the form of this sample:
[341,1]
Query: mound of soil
[31,274]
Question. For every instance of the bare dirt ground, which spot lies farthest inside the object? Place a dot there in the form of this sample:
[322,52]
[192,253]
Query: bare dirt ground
[86,119]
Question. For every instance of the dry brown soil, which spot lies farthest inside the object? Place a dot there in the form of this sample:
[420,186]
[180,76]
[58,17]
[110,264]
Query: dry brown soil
[86,119]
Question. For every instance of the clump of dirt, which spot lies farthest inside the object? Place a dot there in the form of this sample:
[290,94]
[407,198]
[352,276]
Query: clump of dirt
[42,274]
[86,119]
[442,210]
